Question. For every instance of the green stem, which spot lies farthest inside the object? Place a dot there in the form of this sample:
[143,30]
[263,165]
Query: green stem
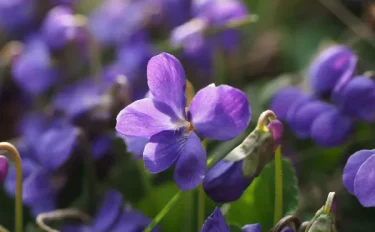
[164,211]
[200,206]
[278,186]
[18,164]
[262,121]
[327,207]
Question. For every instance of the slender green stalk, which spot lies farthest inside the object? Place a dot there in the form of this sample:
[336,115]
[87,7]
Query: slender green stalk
[278,186]
[164,211]
[200,206]
[146,182]
[327,207]
[18,163]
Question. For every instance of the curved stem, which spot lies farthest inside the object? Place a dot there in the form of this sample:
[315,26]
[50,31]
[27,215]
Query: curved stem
[164,211]
[58,215]
[18,164]
[278,186]
[263,118]
[200,206]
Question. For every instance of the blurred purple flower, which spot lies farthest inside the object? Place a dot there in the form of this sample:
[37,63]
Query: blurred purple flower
[358,176]
[45,148]
[357,98]
[329,67]
[216,223]
[225,182]
[135,145]
[60,27]
[79,98]
[4,167]
[32,69]
[112,216]
[331,128]
[283,100]
[64,2]
[174,12]
[101,145]
[17,15]
[220,113]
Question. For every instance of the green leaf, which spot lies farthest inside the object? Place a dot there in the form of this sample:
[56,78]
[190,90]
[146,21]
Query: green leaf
[234,228]
[177,219]
[257,203]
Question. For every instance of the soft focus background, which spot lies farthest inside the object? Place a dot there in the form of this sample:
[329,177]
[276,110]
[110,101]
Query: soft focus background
[88,74]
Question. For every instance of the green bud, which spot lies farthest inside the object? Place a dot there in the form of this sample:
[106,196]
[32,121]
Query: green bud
[323,223]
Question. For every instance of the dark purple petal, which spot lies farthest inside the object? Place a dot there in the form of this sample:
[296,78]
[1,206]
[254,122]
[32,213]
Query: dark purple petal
[215,222]
[4,166]
[101,146]
[225,182]
[109,211]
[191,165]
[287,229]
[357,98]
[352,166]
[252,228]
[283,100]
[277,130]
[167,82]
[32,127]
[28,167]
[329,67]
[163,150]
[293,109]
[306,115]
[32,69]
[145,118]
[131,222]
[56,146]
[220,113]
[331,129]
[364,184]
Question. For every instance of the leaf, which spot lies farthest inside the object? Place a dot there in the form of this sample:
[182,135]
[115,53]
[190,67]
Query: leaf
[234,228]
[177,219]
[257,203]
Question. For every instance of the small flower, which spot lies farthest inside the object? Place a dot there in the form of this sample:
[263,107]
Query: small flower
[225,182]
[45,149]
[357,98]
[220,113]
[216,222]
[277,130]
[32,69]
[283,100]
[358,176]
[60,28]
[329,67]
[112,216]
[4,165]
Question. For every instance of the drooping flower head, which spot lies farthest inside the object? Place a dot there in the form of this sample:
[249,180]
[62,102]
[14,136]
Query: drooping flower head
[358,176]
[4,165]
[113,216]
[220,113]
[329,67]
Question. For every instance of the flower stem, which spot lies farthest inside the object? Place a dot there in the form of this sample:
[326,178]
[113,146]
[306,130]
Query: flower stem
[164,211]
[59,215]
[262,121]
[278,186]
[200,206]
[327,207]
[18,164]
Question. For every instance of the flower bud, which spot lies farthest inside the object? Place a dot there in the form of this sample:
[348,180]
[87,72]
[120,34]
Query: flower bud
[323,223]
[277,130]
[4,166]
[328,68]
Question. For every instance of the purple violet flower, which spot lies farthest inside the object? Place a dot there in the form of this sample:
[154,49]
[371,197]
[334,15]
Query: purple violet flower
[32,69]
[225,182]
[4,167]
[357,98]
[112,216]
[45,148]
[283,100]
[216,223]
[16,15]
[358,176]
[220,113]
[60,28]
[329,67]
